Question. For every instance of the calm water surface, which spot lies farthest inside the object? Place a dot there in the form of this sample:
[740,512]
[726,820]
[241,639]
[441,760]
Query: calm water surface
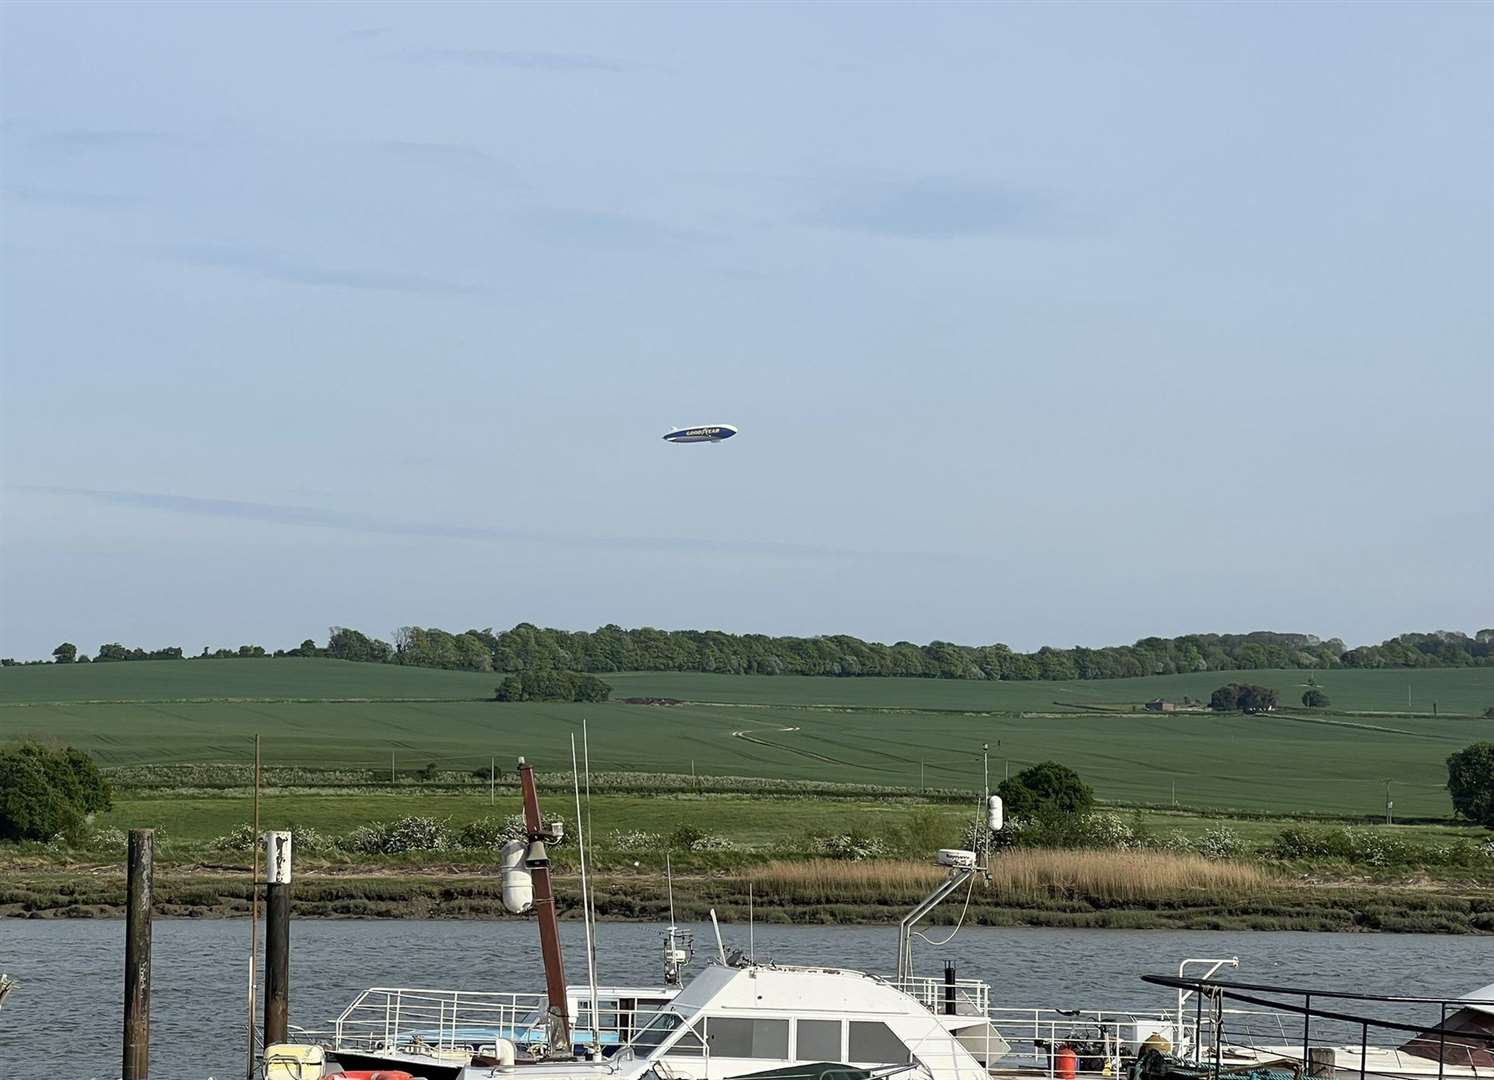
[64,1021]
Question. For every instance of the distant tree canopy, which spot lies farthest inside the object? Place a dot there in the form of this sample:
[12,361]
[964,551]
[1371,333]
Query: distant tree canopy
[551,685]
[1470,782]
[611,648]
[1045,789]
[1243,697]
[44,792]
[65,653]
[1315,699]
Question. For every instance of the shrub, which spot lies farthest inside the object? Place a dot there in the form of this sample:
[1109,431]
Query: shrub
[1221,843]
[490,832]
[853,846]
[1046,788]
[239,838]
[635,840]
[712,842]
[1315,699]
[684,837]
[44,793]
[547,684]
[397,837]
[1244,698]
[1470,782]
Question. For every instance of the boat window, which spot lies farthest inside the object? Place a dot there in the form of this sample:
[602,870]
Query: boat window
[741,1037]
[690,1044]
[659,1028]
[819,1040]
[873,1042]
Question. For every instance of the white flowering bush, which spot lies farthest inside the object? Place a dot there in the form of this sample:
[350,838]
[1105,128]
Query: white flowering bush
[853,846]
[1221,842]
[636,840]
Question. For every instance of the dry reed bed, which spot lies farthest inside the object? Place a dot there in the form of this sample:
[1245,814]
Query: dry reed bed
[1021,875]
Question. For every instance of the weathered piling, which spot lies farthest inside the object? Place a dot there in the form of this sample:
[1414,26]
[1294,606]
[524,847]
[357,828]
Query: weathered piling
[277,936]
[137,956]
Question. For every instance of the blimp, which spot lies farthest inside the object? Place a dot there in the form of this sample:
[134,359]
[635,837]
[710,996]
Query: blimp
[711,433]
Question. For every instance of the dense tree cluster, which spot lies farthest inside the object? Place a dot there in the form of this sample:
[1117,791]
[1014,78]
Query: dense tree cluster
[1470,782]
[46,792]
[1045,789]
[552,685]
[1314,698]
[611,648]
[1242,697]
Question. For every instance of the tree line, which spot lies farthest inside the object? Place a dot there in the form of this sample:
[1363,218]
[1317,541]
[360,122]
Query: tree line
[611,648]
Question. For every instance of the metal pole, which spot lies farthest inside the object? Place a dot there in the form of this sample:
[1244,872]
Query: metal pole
[277,936]
[391,766]
[1442,1041]
[1306,1028]
[253,920]
[137,955]
[492,781]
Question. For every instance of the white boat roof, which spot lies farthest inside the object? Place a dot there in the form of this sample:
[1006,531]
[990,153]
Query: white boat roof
[1481,999]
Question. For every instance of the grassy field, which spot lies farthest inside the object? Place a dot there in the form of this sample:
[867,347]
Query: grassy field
[902,732]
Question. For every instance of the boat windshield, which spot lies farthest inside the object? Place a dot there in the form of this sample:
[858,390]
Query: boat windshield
[653,1035]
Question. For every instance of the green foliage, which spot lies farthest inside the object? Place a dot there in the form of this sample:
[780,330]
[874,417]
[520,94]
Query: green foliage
[489,833]
[1375,847]
[46,793]
[1221,842]
[114,651]
[65,653]
[552,685]
[853,846]
[1470,782]
[1044,790]
[345,644]
[1315,699]
[1245,697]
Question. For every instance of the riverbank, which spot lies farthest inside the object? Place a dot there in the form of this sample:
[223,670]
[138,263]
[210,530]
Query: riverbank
[813,894]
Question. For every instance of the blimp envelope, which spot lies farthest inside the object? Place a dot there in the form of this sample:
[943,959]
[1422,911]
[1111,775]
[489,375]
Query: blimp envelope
[711,433]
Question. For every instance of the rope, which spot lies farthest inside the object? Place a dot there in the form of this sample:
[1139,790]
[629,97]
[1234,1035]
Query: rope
[938,944]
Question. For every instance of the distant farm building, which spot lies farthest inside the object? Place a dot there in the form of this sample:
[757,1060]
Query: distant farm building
[1158,705]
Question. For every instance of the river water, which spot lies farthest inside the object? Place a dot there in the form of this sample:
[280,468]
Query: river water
[65,1019]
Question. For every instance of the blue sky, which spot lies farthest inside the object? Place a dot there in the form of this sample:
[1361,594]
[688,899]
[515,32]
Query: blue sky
[1045,324]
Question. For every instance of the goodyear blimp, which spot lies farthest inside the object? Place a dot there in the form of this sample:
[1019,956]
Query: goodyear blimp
[711,433]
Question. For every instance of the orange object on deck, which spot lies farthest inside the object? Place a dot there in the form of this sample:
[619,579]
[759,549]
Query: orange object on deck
[1065,1063]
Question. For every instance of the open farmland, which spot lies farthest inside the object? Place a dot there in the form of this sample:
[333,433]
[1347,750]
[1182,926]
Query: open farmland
[899,732]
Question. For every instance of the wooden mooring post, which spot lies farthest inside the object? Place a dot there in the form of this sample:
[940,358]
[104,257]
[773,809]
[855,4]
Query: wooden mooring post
[277,936]
[137,955]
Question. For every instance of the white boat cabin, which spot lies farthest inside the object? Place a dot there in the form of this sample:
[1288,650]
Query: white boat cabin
[746,1021]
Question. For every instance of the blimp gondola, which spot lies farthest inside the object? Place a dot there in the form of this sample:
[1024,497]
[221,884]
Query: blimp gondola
[711,433]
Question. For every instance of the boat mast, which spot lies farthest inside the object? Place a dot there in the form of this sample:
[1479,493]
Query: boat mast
[538,863]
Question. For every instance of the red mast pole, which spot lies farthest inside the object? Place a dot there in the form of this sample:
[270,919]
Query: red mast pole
[538,864]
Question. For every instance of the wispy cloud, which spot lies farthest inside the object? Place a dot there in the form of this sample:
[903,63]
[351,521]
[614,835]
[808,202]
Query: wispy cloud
[437,152]
[316,517]
[78,200]
[276,267]
[365,33]
[100,139]
[509,58]
[603,229]
[934,208]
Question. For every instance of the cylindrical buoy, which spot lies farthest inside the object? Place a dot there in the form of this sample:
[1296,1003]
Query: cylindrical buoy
[1065,1063]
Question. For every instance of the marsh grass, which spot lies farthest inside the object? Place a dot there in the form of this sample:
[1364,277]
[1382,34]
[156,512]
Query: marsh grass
[1018,876]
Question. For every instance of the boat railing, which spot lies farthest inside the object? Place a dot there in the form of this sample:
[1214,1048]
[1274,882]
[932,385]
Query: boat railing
[970,997]
[387,1017]
[1110,1038]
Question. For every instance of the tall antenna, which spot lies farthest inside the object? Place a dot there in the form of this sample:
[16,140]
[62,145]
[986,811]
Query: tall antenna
[751,938]
[253,913]
[591,973]
[669,879]
[590,898]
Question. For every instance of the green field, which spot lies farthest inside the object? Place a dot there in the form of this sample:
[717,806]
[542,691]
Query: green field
[876,731]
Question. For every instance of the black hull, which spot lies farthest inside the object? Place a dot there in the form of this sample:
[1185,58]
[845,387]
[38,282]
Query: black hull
[433,1070]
